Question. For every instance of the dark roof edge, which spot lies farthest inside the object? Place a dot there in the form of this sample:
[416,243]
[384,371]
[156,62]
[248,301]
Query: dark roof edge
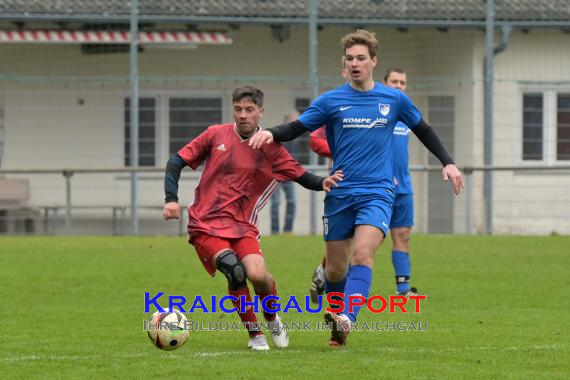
[279,20]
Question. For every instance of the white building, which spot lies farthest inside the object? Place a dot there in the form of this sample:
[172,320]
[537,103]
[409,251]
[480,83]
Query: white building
[65,105]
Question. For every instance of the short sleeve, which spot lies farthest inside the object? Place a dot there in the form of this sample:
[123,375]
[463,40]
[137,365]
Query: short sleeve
[409,114]
[284,166]
[315,116]
[195,152]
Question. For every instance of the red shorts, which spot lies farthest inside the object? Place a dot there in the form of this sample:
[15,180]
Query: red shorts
[208,247]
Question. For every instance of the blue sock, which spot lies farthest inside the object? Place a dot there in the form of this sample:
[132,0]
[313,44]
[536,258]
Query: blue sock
[401,261]
[331,287]
[358,284]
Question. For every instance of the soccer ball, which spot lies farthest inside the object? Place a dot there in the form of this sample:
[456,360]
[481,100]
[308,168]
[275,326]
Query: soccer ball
[167,330]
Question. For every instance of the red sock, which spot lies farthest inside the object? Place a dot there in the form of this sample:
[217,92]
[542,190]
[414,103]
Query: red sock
[248,318]
[273,292]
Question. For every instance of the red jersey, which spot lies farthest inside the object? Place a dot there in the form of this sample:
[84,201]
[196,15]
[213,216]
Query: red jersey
[236,183]
[318,142]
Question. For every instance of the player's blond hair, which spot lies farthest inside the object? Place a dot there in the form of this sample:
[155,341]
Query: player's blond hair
[361,37]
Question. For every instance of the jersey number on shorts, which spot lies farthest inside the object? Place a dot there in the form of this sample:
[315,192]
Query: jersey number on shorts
[325,226]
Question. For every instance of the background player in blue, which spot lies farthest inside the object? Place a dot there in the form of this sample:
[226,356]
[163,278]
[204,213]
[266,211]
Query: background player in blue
[402,219]
[360,117]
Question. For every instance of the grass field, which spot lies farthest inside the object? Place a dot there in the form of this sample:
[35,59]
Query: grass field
[73,308]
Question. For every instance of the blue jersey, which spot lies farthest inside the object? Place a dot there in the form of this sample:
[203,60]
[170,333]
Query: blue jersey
[400,156]
[360,128]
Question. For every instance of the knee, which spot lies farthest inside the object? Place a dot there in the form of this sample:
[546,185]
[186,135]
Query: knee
[335,273]
[366,261]
[257,276]
[291,199]
[232,267]
[275,205]
[256,271]
[362,255]
[401,240]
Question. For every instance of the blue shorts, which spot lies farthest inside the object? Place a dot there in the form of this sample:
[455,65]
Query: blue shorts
[343,213]
[403,211]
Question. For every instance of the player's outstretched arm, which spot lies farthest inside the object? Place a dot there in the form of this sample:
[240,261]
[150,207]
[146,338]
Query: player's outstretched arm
[451,172]
[317,183]
[260,138]
[429,138]
[174,167]
[333,180]
[280,133]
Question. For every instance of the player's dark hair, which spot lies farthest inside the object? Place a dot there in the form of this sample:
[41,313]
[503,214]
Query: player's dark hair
[248,92]
[361,37]
[393,70]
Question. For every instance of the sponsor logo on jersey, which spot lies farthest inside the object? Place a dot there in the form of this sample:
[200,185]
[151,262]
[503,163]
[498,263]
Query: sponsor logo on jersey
[344,108]
[364,122]
[401,131]
[221,147]
[384,109]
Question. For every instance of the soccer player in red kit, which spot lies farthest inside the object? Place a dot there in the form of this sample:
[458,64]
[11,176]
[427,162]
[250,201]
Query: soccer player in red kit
[318,143]
[237,181]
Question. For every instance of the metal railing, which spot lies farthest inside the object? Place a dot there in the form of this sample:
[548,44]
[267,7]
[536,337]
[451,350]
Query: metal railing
[119,211]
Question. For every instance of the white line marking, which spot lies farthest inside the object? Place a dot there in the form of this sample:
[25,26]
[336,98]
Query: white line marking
[181,354]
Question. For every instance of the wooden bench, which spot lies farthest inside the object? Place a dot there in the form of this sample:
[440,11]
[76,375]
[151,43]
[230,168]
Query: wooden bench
[15,214]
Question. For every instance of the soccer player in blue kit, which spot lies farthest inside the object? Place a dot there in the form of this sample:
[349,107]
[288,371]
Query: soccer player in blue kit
[402,219]
[360,117]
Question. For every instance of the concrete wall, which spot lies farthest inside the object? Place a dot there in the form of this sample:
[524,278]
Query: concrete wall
[529,202]
[65,109]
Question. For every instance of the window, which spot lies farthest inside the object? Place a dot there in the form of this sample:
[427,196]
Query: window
[441,116]
[191,116]
[300,150]
[563,127]
[167,123]
[546,126]
[532,126]
[301,104]
[147,131]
